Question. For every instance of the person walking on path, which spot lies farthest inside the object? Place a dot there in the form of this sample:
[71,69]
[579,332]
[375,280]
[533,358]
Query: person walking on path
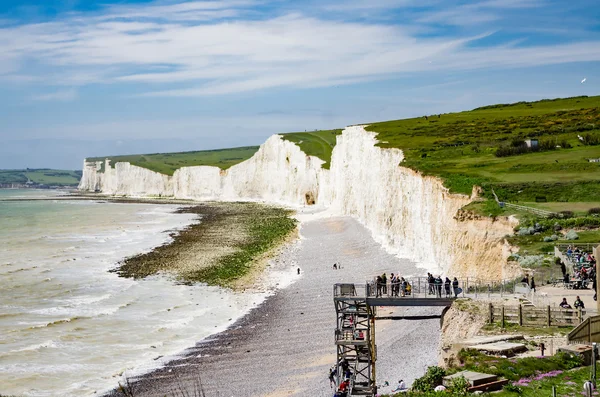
[532,284]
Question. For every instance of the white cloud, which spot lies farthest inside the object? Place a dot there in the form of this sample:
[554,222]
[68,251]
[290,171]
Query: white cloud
[61,95]
[201,48]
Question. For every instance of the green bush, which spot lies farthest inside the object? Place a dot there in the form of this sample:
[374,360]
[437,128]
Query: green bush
[513,389]
[459,386]
[431,379]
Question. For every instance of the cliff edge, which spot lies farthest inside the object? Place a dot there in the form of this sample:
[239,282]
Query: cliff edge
[408,213]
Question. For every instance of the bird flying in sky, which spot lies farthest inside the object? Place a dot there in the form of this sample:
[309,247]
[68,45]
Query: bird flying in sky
[583,81]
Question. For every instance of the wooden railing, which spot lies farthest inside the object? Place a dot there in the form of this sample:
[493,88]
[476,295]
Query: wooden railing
[586,332]
[533,316]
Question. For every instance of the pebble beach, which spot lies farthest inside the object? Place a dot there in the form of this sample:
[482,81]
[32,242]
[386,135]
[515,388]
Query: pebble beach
[284,346]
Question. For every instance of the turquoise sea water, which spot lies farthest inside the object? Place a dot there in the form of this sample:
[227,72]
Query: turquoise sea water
[68,326]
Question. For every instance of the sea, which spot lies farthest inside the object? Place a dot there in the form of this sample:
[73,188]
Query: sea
[69,326]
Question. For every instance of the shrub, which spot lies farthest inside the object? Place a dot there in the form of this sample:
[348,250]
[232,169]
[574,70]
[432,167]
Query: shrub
[431,379]
[513,389]
[526,231]
[571,235]
[595,210]
[591,140]
[567,214]
[531,260]
[459,386]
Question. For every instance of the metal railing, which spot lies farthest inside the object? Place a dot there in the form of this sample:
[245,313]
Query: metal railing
[420,287]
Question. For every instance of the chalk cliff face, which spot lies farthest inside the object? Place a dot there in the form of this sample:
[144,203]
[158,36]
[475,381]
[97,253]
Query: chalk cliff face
[408,213]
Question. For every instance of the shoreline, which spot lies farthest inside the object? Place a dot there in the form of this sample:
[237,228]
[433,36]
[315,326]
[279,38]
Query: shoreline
[283,346]
[226,247]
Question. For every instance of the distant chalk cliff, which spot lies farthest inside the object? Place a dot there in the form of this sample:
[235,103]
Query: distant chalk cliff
[410,214]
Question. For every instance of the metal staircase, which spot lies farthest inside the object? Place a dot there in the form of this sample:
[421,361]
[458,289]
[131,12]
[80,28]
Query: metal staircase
[355,340]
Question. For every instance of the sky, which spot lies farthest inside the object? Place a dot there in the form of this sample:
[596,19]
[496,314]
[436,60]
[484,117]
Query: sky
[82,78]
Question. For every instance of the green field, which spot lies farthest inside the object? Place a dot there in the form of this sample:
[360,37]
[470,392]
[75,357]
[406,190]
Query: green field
[316,143]
[461,147]
[168,163]
[42,176]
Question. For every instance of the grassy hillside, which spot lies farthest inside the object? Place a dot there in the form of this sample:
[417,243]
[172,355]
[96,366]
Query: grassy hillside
[316,143]
[167,163]
[41,176]
[461,147]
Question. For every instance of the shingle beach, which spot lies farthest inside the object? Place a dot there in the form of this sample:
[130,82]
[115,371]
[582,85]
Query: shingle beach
[284,347]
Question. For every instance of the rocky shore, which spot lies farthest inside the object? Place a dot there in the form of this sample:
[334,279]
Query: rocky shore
[284,347]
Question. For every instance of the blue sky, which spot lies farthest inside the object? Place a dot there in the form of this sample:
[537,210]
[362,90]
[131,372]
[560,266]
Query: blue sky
[86,78]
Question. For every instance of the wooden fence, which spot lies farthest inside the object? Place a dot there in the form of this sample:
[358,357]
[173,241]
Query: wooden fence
[533,316]
[586,332]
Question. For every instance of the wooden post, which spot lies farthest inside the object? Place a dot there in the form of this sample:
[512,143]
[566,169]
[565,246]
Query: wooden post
[579,315]
[491,313]
[589,320]
[502,324]
[597,255]
[520,315]
[549,317]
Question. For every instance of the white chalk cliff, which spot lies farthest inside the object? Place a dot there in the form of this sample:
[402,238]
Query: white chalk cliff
[410,214]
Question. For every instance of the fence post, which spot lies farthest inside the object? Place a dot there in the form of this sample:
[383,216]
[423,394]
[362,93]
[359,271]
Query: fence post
[579,315]
[520,315]
[491,313]
[549,317]
[502,324]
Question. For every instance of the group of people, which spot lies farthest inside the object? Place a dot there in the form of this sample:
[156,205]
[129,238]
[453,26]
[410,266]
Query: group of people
[344,386]
[578,304]
[584,269]
[529,282]
[578,256]
[436,283]
[399,286]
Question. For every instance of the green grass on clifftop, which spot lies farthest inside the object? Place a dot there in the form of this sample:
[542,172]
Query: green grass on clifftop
[461,147]
[168,163]
[42,176]
[315,143]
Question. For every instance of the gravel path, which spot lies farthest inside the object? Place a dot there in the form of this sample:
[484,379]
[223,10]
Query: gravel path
[285,346]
